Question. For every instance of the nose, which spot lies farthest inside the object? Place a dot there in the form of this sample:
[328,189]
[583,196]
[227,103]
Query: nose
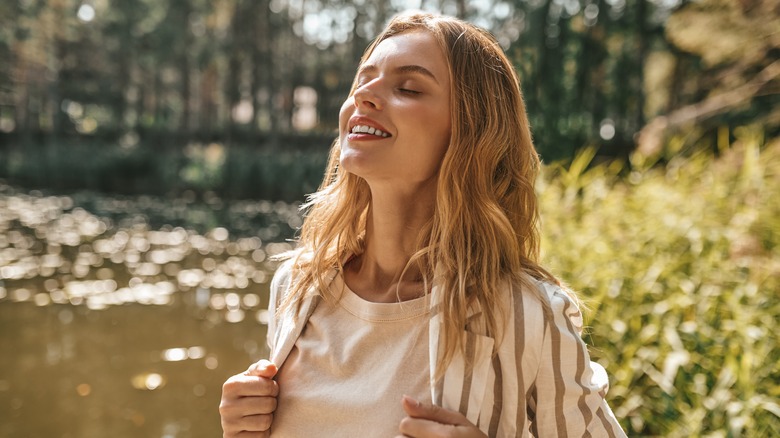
[366,96]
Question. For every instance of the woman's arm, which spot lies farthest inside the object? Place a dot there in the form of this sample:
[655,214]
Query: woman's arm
[248,401]
[570,389]
[249,398]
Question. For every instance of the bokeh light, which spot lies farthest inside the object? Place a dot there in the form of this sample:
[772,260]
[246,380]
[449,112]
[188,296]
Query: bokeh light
[86,13]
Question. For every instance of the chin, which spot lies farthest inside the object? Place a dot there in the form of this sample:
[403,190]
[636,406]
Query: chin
[350,160]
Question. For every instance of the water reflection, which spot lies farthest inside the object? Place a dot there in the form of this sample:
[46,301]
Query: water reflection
[72,256]
[113,323]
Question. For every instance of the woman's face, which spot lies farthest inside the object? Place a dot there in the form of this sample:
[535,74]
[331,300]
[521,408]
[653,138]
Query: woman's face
[402,100]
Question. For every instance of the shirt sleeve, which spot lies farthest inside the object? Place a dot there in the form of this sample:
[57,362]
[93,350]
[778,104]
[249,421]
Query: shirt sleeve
[279,285]
[570,389]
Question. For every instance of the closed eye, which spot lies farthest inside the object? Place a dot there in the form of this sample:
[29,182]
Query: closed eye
[408,91]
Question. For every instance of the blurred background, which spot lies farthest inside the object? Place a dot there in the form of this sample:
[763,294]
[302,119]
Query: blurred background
[153,155]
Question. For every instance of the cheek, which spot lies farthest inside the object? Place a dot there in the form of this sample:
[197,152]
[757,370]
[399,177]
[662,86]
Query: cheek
[443,128]
[345,113]
[443,136]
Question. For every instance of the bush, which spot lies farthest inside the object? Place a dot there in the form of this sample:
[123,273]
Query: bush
[235,172]
[680,267]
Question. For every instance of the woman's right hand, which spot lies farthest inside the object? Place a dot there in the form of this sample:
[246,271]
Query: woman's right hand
[248,401]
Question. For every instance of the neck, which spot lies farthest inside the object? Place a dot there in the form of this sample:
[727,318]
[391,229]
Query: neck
[392,231]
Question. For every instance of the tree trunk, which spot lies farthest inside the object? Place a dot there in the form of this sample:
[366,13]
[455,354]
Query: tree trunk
[184,66]
[650,138]
[642,38]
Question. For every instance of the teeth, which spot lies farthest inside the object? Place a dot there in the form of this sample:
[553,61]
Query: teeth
[369,130]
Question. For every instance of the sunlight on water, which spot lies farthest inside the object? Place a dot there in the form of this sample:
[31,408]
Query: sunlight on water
[52,252]
[121,324]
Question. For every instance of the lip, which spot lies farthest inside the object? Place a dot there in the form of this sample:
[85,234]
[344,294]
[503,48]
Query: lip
[362,120]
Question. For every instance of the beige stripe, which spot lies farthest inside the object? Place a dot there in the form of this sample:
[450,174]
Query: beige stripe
[498,397]
[560,385]
[434,326]
[439,392]
[607,425]
[519,323]
[482,378]
[452,385]
[435,309]
[473,318]
[587,415]
[471,361]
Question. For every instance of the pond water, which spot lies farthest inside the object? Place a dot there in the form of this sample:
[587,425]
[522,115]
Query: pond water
[122,316]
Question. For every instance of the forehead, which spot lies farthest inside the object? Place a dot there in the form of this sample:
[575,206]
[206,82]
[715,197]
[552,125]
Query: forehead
[410,48]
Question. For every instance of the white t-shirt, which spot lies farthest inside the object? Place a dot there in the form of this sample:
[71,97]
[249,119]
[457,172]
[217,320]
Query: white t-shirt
[348,370]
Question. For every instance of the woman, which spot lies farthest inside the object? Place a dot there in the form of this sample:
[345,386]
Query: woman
[414,303]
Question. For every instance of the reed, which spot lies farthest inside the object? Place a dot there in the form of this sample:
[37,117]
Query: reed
[679,266]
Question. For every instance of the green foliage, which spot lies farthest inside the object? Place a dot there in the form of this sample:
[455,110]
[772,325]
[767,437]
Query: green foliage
[272,174]
[679,265]
[592,72]
[85,166]
[236,172]
[198,67]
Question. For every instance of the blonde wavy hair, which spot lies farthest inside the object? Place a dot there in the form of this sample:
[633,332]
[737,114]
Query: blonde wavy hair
[483,232]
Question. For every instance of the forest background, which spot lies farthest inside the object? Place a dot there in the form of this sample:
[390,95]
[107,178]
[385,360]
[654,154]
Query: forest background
[241,97]
[153,155]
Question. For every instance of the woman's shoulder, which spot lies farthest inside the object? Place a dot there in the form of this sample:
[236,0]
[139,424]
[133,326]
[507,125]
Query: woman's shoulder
[541,292]
[282,275]
[290,272]
[554,302]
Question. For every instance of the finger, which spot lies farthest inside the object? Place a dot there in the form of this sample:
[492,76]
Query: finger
[262,368]
[239,415]
[249,423]
[415,409]
[422,428]
[256,423]
[244,434]
[245,406]
[242,385]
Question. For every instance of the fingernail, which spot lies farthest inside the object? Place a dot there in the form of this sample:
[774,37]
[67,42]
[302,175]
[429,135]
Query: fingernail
[412,401]
[258,367]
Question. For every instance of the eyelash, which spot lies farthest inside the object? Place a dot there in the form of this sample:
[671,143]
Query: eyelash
[401,89]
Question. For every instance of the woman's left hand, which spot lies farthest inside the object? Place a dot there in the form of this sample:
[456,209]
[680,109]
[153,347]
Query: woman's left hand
[431,421]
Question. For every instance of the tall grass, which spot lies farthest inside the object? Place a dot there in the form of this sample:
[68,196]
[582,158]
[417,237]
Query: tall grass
[680,267]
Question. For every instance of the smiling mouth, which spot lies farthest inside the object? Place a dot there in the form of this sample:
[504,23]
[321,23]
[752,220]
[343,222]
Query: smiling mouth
[365,129]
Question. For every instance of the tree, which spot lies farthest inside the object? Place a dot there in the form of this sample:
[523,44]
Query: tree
[738,77]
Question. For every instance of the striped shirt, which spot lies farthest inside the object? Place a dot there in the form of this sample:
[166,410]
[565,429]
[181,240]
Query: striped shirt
[540,383]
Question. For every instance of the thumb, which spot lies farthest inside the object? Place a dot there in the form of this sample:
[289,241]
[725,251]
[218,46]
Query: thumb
[415,409]
[262,368]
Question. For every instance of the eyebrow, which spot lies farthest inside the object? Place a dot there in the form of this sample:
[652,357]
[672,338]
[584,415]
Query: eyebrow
[412,68]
